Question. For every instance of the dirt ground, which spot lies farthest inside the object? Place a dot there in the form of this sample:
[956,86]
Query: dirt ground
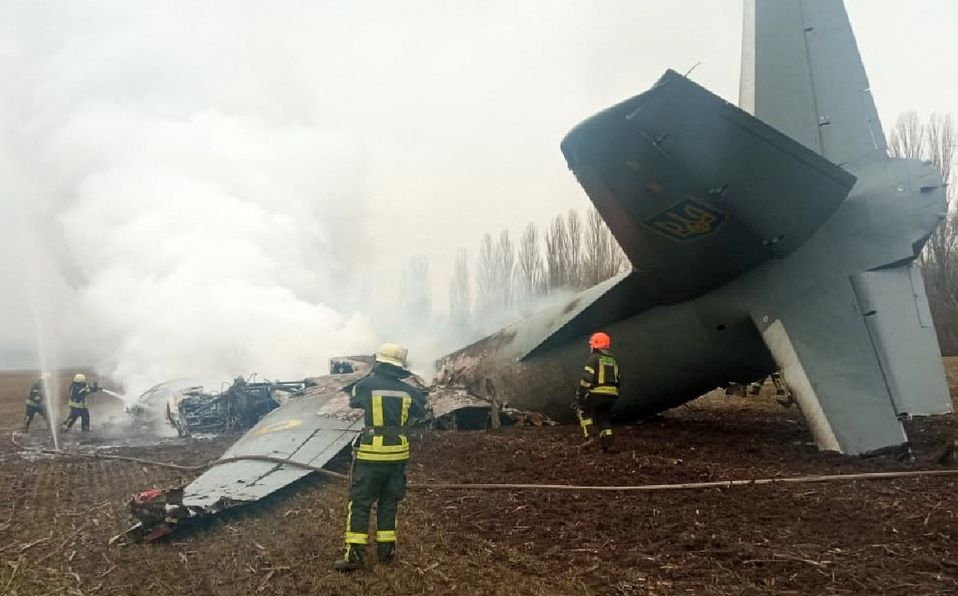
[864,537]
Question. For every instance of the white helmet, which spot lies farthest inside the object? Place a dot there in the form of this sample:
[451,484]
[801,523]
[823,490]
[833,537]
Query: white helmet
[392,354]
[79,378]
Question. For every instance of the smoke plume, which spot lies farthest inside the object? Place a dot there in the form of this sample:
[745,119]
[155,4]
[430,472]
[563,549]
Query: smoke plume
[180,212]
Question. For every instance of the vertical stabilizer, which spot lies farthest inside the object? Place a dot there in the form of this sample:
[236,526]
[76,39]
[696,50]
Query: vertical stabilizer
[802,74]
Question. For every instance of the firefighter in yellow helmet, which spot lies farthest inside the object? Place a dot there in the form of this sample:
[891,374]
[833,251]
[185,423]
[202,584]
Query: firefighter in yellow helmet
[79,390]
[379,467]
[598,389]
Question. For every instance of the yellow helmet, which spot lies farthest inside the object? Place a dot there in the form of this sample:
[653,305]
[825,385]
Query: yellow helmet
[392,354]
[79,378]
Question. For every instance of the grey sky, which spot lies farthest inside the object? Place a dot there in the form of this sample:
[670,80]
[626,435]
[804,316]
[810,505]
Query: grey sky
[481,152]
[423,125]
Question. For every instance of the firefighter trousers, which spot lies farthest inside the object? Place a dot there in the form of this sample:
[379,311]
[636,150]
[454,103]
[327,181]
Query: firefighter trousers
[82,413]
[596,409]
[380,482]
[33,411]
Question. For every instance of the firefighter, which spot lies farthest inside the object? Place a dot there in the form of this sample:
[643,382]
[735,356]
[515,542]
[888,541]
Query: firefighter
[36,401]
[598,389]
[79,390]
[379,464]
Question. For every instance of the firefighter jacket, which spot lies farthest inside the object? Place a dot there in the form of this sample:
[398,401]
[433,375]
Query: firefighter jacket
[600,376]
[35,397]
[388,403]
[78,393]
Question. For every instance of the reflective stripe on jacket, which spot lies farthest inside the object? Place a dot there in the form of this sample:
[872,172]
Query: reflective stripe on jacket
[388,405]
[600,375]
[78,393]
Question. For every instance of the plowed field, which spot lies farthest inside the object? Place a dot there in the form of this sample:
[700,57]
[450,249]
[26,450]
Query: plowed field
[861,537]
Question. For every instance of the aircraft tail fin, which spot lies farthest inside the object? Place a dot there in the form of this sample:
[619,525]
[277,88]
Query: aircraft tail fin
[803,75]
[695,188]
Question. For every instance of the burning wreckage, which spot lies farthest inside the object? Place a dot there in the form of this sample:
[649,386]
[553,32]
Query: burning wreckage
[302,426]
[191,410]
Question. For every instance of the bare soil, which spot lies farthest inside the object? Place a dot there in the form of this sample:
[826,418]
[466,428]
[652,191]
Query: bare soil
[863,537]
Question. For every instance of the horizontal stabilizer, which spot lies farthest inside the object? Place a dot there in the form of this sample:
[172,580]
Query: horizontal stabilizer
[698,190]
[596,308]
[822,345]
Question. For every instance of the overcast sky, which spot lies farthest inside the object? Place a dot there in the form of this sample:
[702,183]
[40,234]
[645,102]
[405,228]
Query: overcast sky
[370,132]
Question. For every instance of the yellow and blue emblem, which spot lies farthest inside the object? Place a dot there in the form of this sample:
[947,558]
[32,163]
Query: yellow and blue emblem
[687,220]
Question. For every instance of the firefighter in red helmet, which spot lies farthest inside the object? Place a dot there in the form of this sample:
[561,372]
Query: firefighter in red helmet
[598,389]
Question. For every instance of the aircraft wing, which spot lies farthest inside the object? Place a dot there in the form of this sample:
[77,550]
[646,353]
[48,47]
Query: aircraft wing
[802,74]
[821,343]
[309,430]
[695,190]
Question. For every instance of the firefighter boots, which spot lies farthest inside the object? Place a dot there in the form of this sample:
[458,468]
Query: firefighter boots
[354,559]
[386,551]
[608,446]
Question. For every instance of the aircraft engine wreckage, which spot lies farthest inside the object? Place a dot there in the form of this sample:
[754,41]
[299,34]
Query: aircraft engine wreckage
[308,430]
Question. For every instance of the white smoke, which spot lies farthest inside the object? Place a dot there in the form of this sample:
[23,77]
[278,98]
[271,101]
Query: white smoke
[205,227]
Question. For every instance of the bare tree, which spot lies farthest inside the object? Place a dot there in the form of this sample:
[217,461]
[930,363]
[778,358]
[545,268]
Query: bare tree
[907,137]
[557,255]
[603,257]
[574,230]
[486,276]
[459,294]
[530,271]
[597,249]
[415,290]
[505,271]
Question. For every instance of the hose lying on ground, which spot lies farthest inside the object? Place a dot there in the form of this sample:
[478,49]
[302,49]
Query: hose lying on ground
[507,486]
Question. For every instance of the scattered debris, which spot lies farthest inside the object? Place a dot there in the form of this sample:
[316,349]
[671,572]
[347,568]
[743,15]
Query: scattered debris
[191,410]
[309,430]
[313,424]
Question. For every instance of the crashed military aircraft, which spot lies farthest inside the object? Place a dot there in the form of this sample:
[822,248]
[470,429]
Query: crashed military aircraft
[309,429]
[300,436]
[778,235]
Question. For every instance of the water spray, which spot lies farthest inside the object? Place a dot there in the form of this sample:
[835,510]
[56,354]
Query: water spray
[50,390]
[48,397]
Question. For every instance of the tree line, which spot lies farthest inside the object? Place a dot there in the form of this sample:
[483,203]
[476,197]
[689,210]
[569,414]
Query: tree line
[514,278]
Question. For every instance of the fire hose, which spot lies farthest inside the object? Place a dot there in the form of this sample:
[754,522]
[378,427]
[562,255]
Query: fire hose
[513,486]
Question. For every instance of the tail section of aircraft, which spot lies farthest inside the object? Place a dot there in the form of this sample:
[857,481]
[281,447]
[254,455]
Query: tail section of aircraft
[803,75]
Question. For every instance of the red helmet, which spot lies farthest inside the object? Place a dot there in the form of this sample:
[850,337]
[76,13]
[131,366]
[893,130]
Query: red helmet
[600,341]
